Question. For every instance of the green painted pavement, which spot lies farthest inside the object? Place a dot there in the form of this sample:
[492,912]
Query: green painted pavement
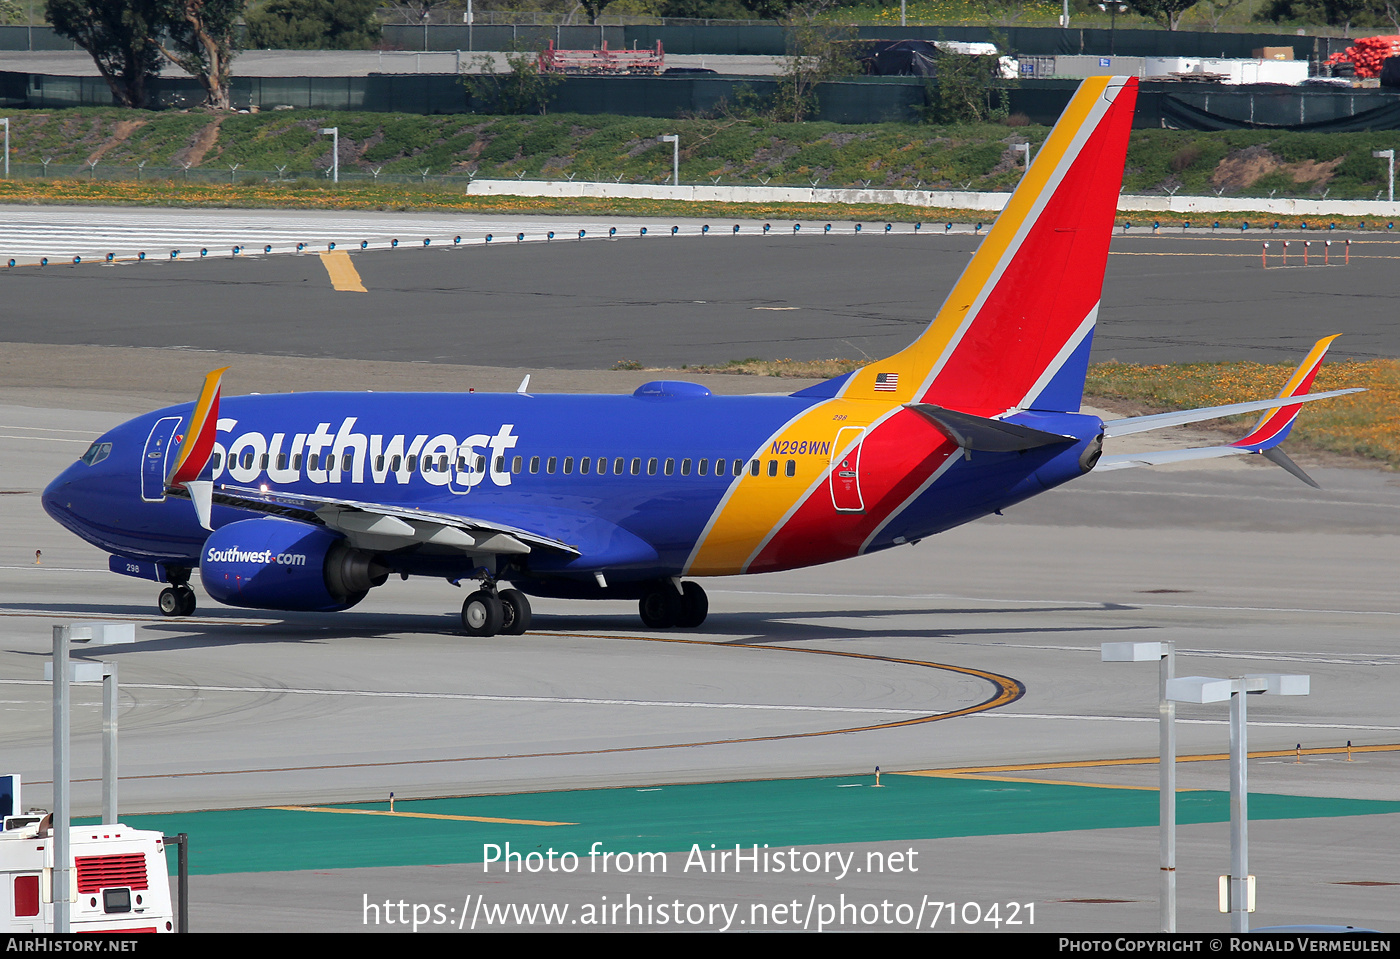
[781,813]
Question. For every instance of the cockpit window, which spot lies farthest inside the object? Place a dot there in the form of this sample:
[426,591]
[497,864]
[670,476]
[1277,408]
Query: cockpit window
[96,453]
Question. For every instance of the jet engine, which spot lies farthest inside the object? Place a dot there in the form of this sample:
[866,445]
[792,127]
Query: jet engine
[272,563]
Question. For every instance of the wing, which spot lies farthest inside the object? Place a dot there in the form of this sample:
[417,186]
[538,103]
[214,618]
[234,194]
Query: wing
[381,528]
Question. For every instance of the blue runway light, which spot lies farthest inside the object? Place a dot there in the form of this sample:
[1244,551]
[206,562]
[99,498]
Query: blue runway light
[77,259]
[888,227]
[266,249]
[457,240]
[766,228]
[918,227]
[796,227]
[204,251]
[736,229]
[857,227]
[488,238]
[581,233]
[109,259]
[705,230]
[394,243]
[675,230]
[364,244]
[427,241]
[644,232]
[612,231]
[142,254]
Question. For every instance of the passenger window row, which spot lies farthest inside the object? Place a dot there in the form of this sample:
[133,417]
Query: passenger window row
[584,465]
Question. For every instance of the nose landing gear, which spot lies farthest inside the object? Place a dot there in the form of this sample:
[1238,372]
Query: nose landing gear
[177,600]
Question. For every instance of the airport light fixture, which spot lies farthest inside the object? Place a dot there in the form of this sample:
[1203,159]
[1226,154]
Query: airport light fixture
[1237,889]
[1389,156]
[1165,655]
[334,134]
[675,142]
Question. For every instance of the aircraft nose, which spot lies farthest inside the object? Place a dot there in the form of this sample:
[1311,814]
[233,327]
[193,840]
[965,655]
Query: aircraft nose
[58,497]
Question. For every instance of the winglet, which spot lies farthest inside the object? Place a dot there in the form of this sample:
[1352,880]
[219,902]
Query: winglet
[1273,427]
[198,444]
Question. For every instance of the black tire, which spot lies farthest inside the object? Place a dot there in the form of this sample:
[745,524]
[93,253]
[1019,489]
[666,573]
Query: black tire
[515,607]
[482,614]
[695,606]
[169,603]
[185,596]
[660,606]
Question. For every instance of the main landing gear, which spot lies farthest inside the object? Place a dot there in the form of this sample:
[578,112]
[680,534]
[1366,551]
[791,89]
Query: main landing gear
[489,611]
[666,604]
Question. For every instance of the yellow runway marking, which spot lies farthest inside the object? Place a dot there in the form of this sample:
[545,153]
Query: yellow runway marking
[423,815]
[991,772]
[1042,782]
[344,276]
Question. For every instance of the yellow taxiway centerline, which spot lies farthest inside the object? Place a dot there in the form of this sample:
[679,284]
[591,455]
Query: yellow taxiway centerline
[344,277]
[423,815]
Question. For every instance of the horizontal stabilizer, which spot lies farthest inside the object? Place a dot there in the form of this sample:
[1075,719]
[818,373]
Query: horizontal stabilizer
[986,435]
[1122,461]
[1157,421]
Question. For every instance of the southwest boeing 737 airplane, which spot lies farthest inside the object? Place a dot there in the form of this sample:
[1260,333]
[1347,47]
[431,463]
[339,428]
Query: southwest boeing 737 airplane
[308,501]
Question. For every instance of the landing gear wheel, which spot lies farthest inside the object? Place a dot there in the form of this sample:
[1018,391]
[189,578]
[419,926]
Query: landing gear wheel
[482,614]
[177,601]
[187,602]
[695,606]
[660,606]
[516,610]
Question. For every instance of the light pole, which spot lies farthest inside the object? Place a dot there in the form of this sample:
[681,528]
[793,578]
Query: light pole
[675,141]
[334,133]
[1389,156]
[1026,149]
[63,671]
[1165,654]
[1113,10]
[1237,889]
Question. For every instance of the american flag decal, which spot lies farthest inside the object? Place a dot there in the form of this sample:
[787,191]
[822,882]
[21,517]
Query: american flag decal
[886,382]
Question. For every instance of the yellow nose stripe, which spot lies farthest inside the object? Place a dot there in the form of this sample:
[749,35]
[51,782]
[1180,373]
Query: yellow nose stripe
[342,272]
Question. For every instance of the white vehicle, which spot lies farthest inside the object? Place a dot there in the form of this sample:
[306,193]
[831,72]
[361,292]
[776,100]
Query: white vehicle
[120,878]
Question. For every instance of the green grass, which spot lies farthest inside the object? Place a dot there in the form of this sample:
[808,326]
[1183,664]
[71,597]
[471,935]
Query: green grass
[732,151]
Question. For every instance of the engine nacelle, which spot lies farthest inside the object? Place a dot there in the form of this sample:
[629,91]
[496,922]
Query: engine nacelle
[271,563]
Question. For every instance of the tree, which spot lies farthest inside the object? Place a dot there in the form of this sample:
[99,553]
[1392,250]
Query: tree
[1167,13]
[817,52]
[119,36]
[1334,13]
[523,90]
[201,34]
[965,89]
[314,25]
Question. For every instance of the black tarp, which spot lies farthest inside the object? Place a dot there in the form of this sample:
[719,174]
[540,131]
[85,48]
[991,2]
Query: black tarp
[901,58]
[1273,113]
